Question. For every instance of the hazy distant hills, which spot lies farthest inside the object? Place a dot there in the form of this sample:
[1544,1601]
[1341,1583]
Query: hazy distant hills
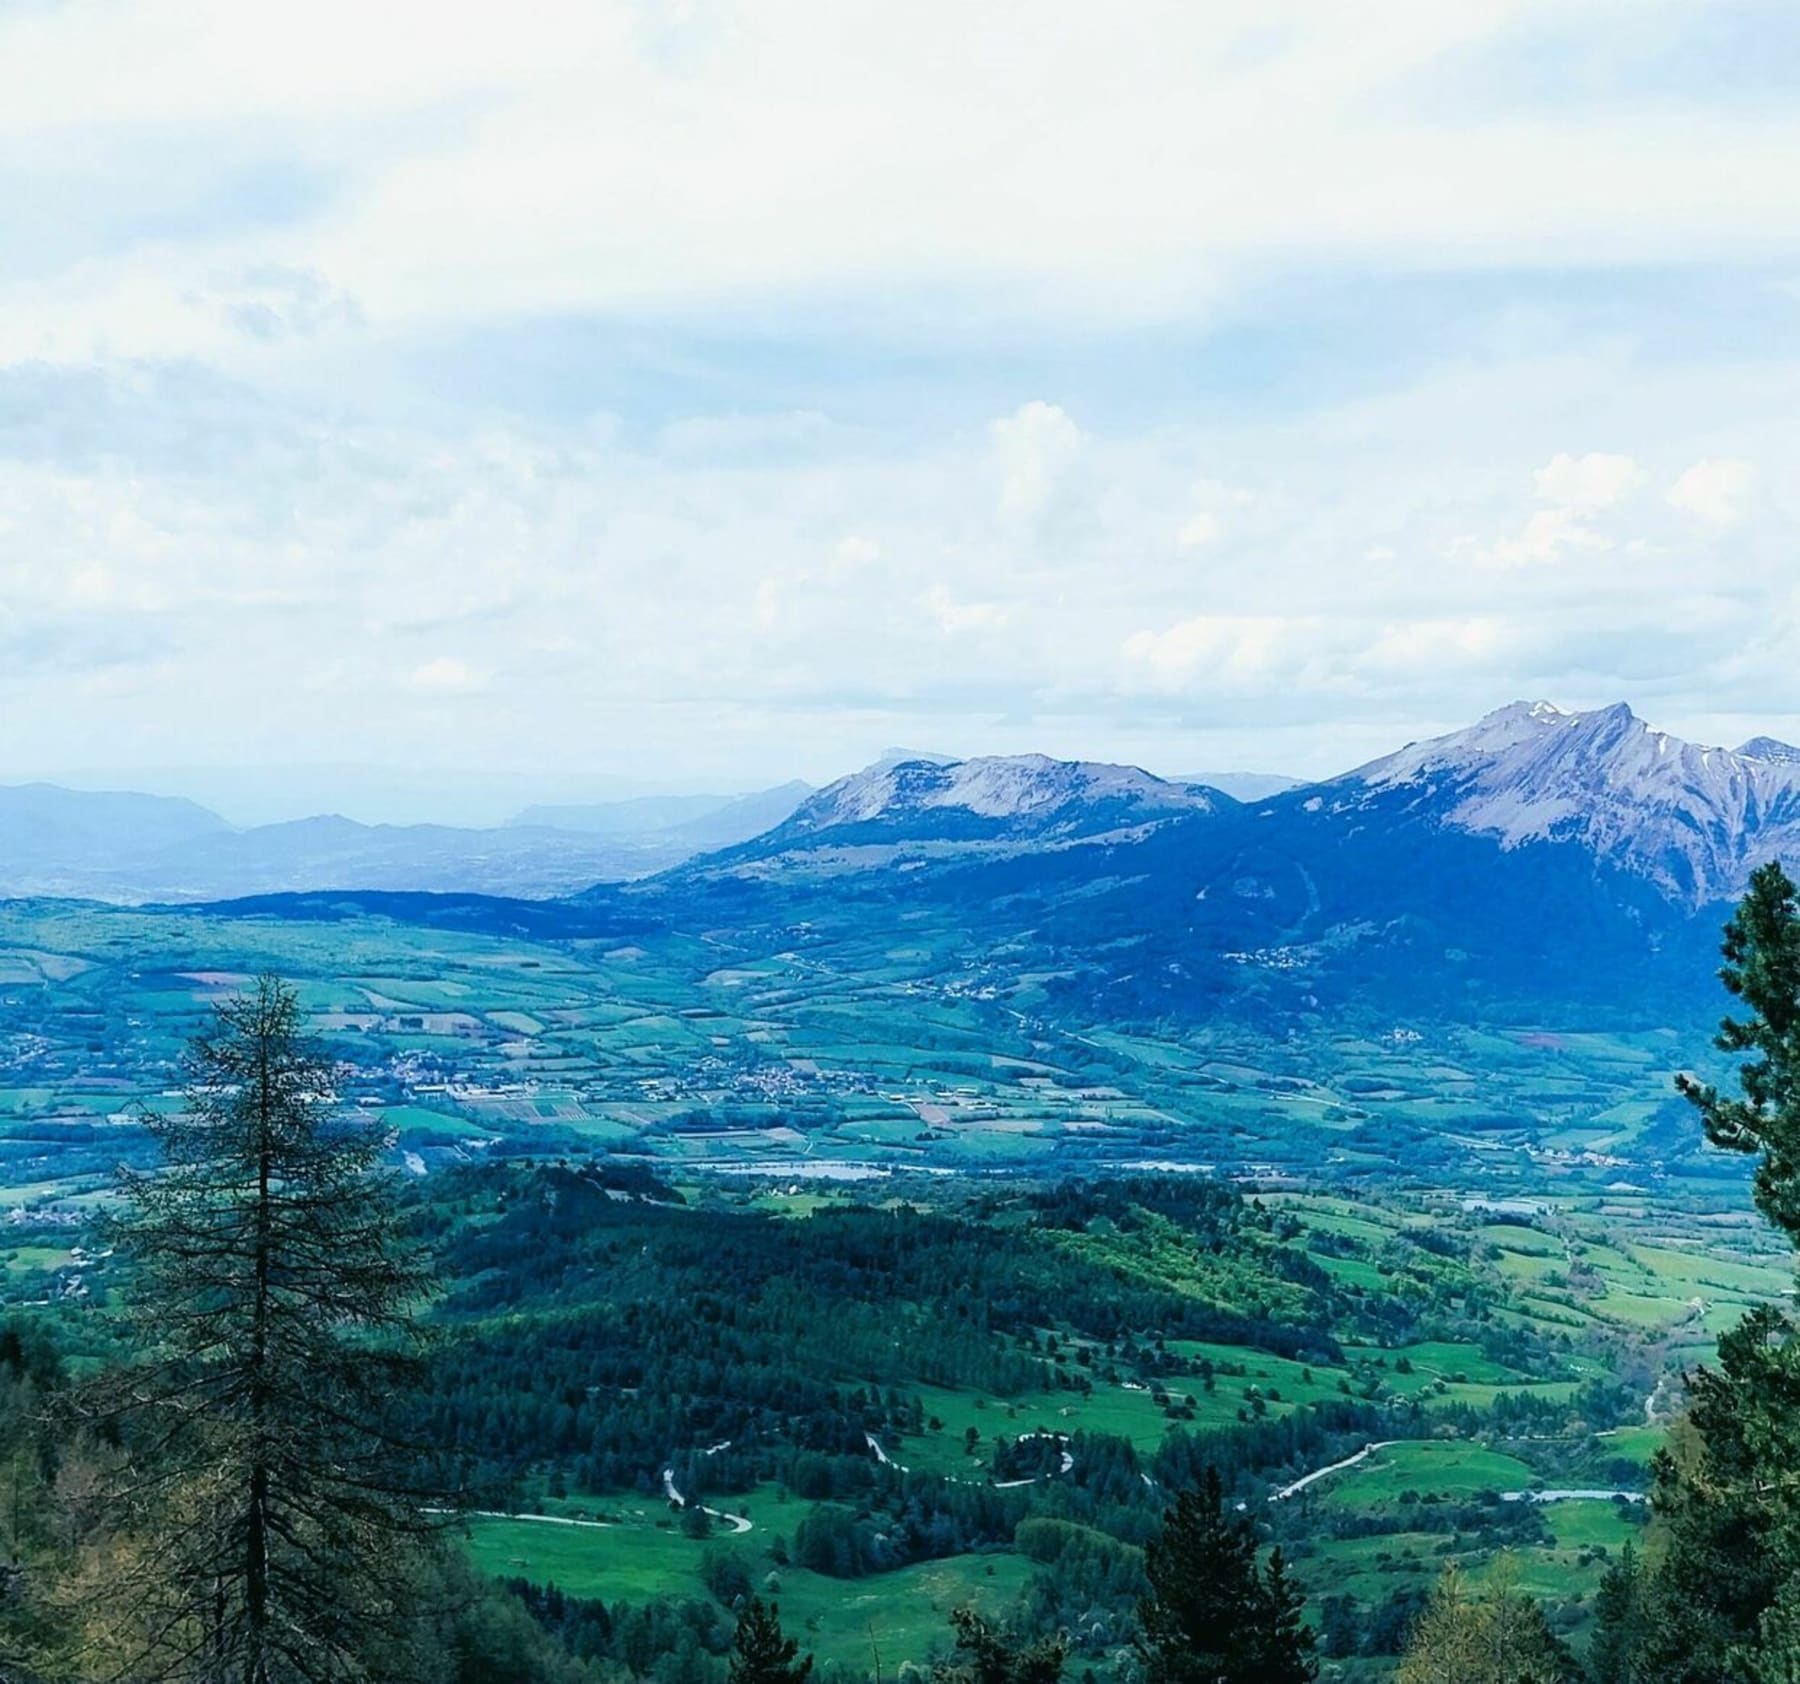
[640,815]
[1535,843]
[1243,786]
[693,822]
[138,848]
[103,851]
[73,829]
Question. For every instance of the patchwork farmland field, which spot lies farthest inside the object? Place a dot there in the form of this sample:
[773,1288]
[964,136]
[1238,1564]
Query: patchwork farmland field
[819,1059]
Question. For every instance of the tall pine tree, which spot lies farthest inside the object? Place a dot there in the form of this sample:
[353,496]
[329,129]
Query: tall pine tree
[1621,1623]
[271,1292]
[1497,1637]
[1762,968]
[1723,1604]
[989,1654]
[761,1652]
[1211,1616]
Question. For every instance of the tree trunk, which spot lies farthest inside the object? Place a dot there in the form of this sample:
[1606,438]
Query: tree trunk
[256,1537]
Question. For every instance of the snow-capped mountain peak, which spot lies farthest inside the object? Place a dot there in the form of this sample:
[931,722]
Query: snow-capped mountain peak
[1771,750]
[1694,819]
[919,813]
[995,787]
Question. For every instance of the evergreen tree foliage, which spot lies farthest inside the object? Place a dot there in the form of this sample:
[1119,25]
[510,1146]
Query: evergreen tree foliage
[1762,968]
[989,1654]
[1732,1532]
[761,1652]
[1497,1637]
[1211,1617]
[1617,1654]
[1722,1603]
[271,1297]
[32,1376]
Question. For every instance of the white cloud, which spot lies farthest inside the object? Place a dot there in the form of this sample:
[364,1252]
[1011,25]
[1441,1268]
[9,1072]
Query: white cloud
[1033,449]
[1199,530]
[1432,646]
[1223,650]
[1594,481]
[954,616]
[856,551]
[1714,490]
[735,612]
[1343,657]
[1211,498]
[1547,537]
[445,675]
[475,164]
[1577,491]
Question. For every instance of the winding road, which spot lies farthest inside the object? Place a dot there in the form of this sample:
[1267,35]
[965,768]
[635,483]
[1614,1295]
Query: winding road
[738,1523]
[1305,1480]
[536,1519]
[1571,1495]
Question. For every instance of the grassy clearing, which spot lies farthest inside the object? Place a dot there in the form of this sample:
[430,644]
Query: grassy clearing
[1440,1469]
[35,1259]
[906,1614]
[644,1555]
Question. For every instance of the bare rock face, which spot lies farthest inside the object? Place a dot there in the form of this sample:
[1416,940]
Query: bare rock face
[915,813]
[1694,820]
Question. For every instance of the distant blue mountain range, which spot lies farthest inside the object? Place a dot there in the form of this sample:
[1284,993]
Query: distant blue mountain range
[1540,855]
[1537,854]
[133,848]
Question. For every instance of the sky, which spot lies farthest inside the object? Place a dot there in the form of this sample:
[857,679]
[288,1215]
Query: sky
[437,403]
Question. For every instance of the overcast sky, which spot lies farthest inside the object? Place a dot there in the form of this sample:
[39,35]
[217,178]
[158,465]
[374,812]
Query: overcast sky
[716,393]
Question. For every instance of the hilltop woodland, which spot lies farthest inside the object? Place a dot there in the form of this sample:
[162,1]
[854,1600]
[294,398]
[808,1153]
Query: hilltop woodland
[266,1450]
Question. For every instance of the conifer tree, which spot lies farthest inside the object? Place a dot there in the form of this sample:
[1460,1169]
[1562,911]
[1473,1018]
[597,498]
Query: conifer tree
[1730,1520]
[988,1654]
[1762,968]
[1621,1623]
[1211,1617]
[270,1291]
[31,1378]
[762,1653]
[1724,1602]
[1497,1637]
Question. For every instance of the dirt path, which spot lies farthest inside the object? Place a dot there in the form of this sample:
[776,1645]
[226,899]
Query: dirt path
[882,1456]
